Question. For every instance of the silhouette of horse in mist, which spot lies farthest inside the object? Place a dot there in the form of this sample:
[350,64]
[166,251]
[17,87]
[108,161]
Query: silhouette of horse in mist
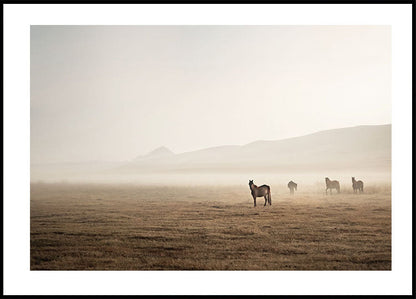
[331,185]
[357,185]
[261,191]
[292,186]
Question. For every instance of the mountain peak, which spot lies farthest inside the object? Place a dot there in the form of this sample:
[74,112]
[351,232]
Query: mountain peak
[160,151]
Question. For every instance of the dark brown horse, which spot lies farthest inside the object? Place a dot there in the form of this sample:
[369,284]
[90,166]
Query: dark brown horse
[357,185]
[261,191]
[331,185]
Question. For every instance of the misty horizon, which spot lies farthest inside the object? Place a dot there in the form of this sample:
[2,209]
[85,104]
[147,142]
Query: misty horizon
[360,150]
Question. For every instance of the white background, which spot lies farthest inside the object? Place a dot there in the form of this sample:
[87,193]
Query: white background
[19,280]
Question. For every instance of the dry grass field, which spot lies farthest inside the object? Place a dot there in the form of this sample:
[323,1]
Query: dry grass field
[127,227]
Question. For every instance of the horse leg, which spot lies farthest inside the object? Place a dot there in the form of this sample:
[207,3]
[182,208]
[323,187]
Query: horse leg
[265,200]
[270,199]
[254,198]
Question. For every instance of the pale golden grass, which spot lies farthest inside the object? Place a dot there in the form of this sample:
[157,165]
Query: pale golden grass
[127,227]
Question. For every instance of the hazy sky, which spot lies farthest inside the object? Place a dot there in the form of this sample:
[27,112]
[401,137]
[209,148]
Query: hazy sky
[116,92]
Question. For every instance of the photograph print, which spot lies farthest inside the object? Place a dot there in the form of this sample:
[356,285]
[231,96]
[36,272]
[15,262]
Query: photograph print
[210,147]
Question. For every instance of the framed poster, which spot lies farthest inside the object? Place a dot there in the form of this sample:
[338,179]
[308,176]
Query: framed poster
[208,149]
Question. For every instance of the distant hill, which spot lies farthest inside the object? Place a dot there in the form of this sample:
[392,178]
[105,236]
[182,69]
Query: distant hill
[356,149]
[362,147]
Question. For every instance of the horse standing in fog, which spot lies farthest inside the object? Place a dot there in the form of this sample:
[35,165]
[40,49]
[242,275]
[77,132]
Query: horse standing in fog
[292,186]
[331,185]
[357,185]
[261,191]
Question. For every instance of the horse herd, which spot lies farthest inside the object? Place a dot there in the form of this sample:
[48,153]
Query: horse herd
[264,190]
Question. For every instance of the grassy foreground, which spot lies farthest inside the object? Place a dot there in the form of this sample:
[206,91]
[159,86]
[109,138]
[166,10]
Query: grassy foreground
[127,227]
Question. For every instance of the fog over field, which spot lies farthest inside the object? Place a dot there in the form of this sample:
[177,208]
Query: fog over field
[362,151]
